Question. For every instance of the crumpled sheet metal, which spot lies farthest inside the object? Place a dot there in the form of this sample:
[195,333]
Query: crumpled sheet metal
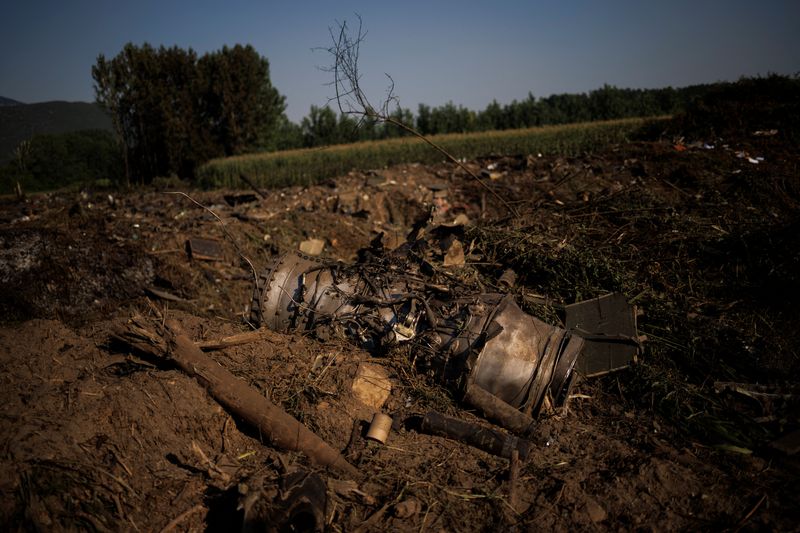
[525,359]
[487,337]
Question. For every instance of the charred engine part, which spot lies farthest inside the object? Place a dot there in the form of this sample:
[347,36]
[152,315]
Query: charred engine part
[520,359]
[302,293]
[483,341]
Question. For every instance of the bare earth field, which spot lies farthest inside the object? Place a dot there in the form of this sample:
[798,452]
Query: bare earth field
[95,436]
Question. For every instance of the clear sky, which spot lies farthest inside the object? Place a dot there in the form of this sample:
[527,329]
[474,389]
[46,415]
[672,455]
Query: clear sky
[436,51]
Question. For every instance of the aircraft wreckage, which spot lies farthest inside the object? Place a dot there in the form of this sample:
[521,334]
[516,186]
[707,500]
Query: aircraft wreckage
[498,358]
[505,362]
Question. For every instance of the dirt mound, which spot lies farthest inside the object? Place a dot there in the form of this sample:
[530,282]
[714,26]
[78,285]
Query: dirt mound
[761,106]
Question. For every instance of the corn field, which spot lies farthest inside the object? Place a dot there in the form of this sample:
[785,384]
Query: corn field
[311,165]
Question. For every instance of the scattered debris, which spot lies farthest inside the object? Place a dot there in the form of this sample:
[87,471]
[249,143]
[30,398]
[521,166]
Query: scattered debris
[349,489]
[299,504]
[379,428]
[500,412]
[488,440]
[371,385]
[500,359]
[274,423]
[765,133]
[312,246]
[236,340]
[513,481]
[163,295]
[480,339]
[494,176]
[750,159]
[507,279]
[204,249]
[608,326]
[454,255]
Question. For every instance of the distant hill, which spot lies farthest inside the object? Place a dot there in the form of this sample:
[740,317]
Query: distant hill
[19,122]
[8,101]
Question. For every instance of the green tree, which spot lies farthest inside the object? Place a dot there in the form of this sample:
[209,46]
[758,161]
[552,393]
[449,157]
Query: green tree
[491,118]
[450,118]
[150,95]
[173,111]
[320,127]
[349,130]
[53,161]
[240,106]
[402,115]
[286,135]
[609,102]
[424,125]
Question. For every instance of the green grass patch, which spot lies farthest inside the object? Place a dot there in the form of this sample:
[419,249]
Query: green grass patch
[308,166]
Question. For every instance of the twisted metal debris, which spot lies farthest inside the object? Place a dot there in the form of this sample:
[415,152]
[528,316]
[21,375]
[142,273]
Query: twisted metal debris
[473,340]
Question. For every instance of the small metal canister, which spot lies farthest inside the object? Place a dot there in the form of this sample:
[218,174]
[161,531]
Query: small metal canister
[380,427]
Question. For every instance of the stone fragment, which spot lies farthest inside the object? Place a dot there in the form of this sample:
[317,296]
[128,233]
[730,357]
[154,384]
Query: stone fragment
[371,385]
[595,511]
[312,246]
[407,508]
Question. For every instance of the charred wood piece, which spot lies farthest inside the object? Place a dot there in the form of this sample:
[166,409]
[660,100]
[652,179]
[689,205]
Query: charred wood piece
[488,440]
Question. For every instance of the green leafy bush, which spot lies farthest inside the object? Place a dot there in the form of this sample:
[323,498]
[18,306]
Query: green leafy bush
[47,162]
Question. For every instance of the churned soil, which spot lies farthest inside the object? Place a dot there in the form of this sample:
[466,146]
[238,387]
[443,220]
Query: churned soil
[95,436]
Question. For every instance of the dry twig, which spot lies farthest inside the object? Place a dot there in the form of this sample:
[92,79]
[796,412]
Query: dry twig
[228,234]
[351,99]
[181,517]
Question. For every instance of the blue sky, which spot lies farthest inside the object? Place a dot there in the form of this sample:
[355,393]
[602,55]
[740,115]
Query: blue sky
[464,52]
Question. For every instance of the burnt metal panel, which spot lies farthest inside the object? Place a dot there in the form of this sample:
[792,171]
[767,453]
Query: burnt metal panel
[204,249]
[608,326]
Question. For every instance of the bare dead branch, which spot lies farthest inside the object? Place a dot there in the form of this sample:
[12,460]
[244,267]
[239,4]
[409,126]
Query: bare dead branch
[352,100]
[279,427]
